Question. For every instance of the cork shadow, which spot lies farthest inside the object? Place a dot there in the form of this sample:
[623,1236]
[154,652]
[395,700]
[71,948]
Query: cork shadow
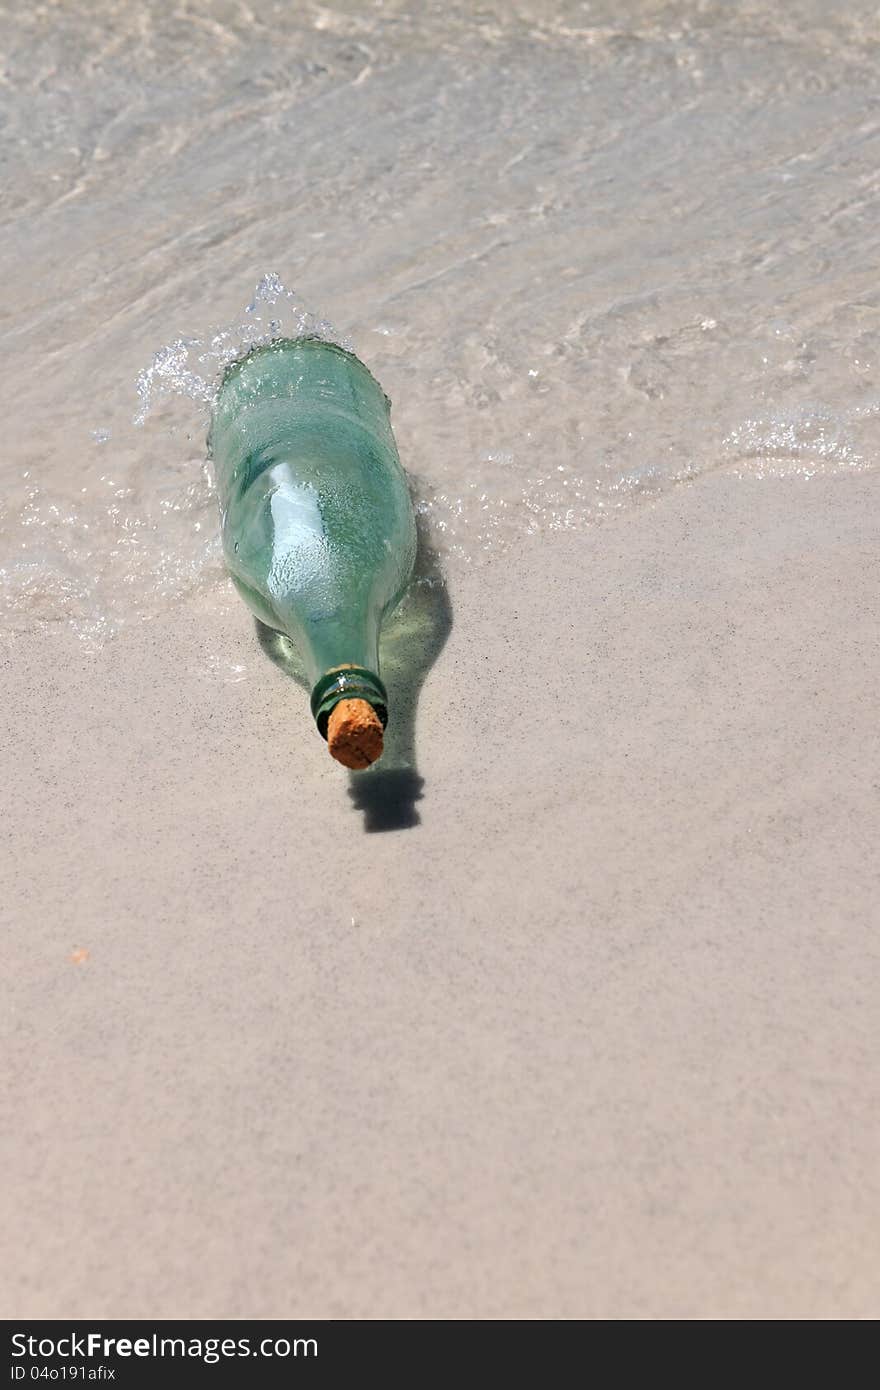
[411,642]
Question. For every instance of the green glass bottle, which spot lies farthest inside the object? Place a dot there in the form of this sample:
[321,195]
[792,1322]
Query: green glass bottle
[317,523]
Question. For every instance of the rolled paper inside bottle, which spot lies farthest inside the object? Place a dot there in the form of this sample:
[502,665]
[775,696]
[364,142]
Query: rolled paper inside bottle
[352,683]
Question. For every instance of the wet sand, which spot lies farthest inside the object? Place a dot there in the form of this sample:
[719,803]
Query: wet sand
[588,1029]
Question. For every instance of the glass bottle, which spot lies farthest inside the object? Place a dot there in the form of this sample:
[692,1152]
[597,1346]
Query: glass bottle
[316,519]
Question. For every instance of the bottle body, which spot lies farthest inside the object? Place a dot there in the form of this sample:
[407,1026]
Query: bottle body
[316,520]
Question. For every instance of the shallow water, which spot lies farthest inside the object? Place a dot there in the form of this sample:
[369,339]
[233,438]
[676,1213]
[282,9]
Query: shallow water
[592,252]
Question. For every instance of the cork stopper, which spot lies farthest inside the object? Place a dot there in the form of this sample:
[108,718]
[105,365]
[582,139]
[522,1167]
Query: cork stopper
[354,734]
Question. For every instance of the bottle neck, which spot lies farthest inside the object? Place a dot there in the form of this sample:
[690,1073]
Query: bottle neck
[347,683]
[341,654]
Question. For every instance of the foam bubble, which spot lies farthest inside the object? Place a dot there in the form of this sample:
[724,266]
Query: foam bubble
[192,367]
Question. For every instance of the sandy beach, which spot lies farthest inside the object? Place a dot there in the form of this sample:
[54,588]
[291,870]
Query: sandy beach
[596,1037]
[569,1008]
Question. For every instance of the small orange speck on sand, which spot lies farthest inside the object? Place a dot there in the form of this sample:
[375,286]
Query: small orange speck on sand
[79,956]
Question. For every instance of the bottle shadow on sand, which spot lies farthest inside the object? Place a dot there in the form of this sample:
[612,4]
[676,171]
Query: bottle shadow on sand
[411,641]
